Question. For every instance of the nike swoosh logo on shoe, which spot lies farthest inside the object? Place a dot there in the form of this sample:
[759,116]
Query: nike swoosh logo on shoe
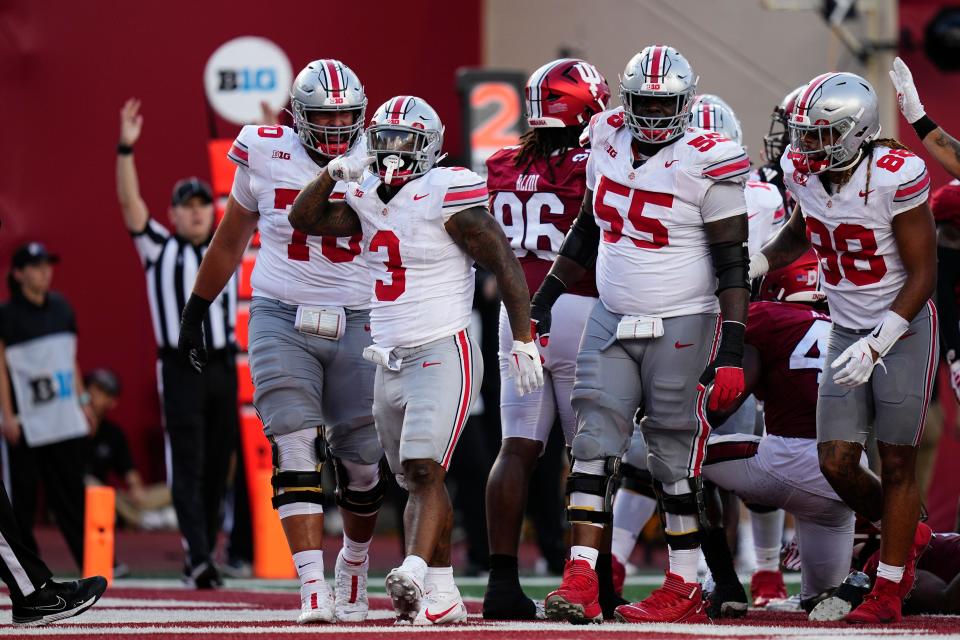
[433,617]
[60,604]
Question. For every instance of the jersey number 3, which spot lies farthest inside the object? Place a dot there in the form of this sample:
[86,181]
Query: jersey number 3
[299,250]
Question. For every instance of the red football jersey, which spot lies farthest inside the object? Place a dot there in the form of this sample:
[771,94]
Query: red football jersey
[792,341]
[536,204]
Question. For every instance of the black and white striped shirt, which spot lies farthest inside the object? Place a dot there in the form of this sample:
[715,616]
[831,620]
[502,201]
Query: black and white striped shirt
[171,265]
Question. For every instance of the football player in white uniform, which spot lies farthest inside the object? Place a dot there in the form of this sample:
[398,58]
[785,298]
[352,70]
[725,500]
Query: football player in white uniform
[423,227]
[862,206]
[664,218]
[309,323]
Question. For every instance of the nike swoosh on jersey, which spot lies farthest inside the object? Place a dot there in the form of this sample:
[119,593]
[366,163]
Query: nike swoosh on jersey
[680,345]
[433,617]
[430,364]
[864,194]
[669,162]
[420,197]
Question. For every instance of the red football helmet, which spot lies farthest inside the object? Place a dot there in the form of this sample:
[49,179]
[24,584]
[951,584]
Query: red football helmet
[565,93]
[797,282]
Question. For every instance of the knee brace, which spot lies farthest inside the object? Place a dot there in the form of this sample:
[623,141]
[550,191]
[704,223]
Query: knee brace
[361,488]
[601,486]
[298,491]
[676,507]
[637,480]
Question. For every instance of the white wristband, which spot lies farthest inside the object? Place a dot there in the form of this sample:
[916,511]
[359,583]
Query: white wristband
[759,265]
[886,334]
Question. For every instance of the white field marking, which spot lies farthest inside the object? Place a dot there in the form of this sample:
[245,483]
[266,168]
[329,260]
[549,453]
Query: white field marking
[508,629]
[143,603]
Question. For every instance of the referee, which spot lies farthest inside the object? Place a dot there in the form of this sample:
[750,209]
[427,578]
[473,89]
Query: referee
[200,411]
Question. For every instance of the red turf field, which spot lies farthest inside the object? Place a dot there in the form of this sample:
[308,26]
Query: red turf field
[127,613]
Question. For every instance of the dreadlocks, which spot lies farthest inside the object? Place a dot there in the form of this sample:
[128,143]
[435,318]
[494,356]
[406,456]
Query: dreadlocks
[544,142]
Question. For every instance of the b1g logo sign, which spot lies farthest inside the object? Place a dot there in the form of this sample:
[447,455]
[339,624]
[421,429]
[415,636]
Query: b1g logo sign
[46,388]
[244,72]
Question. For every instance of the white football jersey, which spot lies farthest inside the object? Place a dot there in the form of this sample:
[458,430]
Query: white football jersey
[293,267]
[653,257]
[765,213]
[423,281]
[852,231]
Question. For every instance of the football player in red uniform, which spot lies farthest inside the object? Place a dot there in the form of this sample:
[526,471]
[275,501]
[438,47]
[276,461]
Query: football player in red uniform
[536,189]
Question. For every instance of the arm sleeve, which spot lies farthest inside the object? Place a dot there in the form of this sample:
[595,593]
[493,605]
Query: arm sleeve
[466,190]
[723,200]
[149,242]
[241,190]
[948,271]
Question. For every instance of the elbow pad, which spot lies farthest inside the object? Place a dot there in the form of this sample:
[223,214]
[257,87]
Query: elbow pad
[582,241]
[731,264]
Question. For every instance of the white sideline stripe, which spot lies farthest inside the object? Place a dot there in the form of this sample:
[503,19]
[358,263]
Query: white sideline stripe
[685,630]
[142,603]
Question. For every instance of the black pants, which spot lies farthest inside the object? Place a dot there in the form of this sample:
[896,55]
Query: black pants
[60,468]
[202,424]
[20,567]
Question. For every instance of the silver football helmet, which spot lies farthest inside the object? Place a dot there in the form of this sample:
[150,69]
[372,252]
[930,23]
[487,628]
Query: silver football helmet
[778,136]
[405,137]
[835,115]
[328,86]
[657,89]
[712,113]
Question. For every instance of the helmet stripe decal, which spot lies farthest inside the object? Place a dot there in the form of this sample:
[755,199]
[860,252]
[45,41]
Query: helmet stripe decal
[396,109]
[336,86]
[804,103]
[536,90]
[656,64]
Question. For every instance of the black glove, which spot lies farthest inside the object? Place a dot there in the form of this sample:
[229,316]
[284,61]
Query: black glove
[190,346]
[540,306]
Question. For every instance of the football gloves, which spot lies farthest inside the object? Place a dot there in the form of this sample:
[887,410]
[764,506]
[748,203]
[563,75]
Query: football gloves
[349,168]
[907,97]
[525,367]
[191,344]
[726,370]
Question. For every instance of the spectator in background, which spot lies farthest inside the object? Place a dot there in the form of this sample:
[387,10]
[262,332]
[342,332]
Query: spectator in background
[40,392]
[200,411]
[109,461]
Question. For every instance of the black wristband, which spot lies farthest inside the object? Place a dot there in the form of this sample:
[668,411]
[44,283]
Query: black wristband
[731,344]
[124,149]
[924,126]
[551,289]
[195,310]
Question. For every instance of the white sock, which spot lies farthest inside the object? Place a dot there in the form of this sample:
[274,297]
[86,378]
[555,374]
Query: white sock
[631,511]
[683,562]
[889,572]
[309,568]
[589,554]
[768,558]
[416,565]
[355,552]
[623,543]
[767,528]
[440,579]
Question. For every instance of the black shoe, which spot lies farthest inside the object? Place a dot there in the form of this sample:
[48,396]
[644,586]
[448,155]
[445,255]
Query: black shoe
[727,600]
[58,600]
[204,576]
[510,603]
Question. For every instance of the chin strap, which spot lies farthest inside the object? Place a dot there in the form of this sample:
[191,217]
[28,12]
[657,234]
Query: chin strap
[852,163]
